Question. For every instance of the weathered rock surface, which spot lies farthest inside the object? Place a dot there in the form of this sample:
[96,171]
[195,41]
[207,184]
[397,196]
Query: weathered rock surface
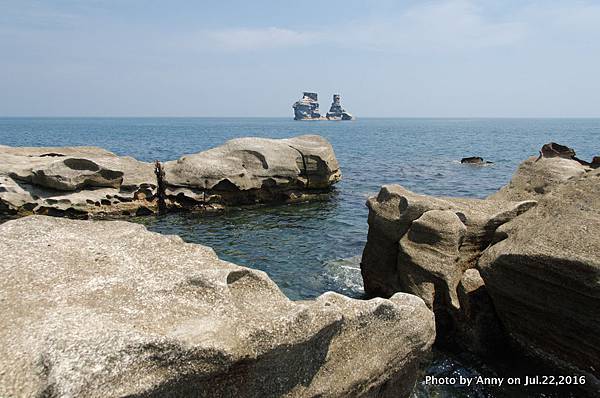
[251,170]
[107,309]
[88,181]
[423,245]
[537,176]
[73,181]
[544,274]
[527,256]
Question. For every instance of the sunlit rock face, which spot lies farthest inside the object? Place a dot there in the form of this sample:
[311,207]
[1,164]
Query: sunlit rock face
[109,309]
[307,108]
[336,112]
[426,246]
[83,182]
[253,170]
[73,182]
[544,273]
[522,264]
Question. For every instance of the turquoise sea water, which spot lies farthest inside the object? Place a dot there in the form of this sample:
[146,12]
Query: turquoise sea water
[308,249]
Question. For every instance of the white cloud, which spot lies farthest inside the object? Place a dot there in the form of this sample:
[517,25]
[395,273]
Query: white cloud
[257,39]
[439,26]
[445,25]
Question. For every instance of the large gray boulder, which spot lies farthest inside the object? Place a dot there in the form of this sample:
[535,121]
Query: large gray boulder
[544,275]
[108,309]
[253,170]
[88,181]
[423,245]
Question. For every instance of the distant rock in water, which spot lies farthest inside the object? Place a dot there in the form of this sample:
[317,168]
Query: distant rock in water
[474,160]
[336,112]
[307,108]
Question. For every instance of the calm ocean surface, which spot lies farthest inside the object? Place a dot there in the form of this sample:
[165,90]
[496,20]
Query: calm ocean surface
[308,249]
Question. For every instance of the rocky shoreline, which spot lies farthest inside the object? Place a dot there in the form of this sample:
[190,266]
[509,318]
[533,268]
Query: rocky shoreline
[88,182]
[108,309]
[522,266]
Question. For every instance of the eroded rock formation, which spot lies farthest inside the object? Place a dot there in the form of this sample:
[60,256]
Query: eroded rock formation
[108,309]
[307,107]
[529,253]
[336,112]
[88,181]
[253,170]
[537,176]
[73,181]
[423,245]
[544,275]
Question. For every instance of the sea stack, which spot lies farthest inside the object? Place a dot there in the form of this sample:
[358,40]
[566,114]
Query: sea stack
[336,112]
[307,108]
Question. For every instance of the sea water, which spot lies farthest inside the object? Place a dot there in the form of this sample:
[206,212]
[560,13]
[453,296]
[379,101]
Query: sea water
[308,249]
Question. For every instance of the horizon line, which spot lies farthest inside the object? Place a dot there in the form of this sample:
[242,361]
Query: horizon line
[282,117]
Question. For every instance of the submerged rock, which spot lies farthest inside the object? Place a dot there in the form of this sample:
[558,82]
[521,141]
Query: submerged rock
[474,160]
[108,309]
[87,181]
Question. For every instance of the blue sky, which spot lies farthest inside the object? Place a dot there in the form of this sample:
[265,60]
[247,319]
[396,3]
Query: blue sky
[452,58]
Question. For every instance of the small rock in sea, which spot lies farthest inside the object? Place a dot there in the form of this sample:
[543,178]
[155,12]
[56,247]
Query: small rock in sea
[474,160]
[595,162]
